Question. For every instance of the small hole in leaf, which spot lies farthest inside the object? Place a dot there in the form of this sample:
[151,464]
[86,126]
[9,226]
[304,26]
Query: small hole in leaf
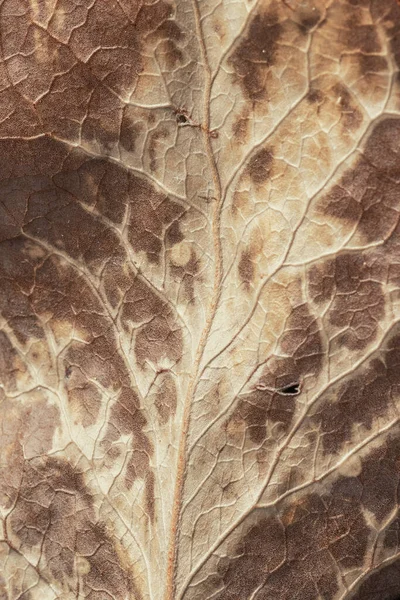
[290,390]
[182,119]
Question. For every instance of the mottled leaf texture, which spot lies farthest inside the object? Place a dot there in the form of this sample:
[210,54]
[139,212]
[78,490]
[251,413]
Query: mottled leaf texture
[200,299]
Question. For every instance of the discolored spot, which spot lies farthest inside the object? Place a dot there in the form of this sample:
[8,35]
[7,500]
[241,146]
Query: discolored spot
[367,195]
[130,131]
[361,38]
[151,214]
[372,64]
[240,128]
[260,166]
[300,548]
[127,418]
[85,401]
[321,281]
[256,53]
[381,584]
[9,368]
[315,96]
[309,21]
[362,400]
[359,302]
[155,144]
[55,513]
[158,334]
[259,552]
[166,398]
[172,53]
[351,116]
[246,267]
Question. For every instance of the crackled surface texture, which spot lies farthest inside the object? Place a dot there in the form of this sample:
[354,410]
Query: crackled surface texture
[199,300]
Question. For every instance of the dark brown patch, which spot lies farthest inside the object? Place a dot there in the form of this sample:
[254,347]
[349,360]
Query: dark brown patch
[372,64]
[368,193]
[260,551]
[17,277]
[130,131]
[315,96]
[260,166]
[321,281]
[362,400]
[351,116]
[296,554]
[246,267]
[166,398]
[158,334]
[309,21]
[240,128]
[8,367]
[256,53]
[151,214]
[154,143]
[127,418]
[363,39]
[359,302]
[380,584]
[55,513]
[170,33]
[85,401]
[300,355]
[110,190]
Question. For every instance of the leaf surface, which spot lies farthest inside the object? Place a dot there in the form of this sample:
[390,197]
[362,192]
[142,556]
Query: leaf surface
[199,300]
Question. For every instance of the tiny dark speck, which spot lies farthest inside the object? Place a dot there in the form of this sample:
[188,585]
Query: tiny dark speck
[290,390]
[68,372]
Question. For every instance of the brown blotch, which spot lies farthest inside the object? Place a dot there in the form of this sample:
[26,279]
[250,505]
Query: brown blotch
[256,53]
[155,137]
[9,367]
[357,302]
[246,267]
[240,128]
[130,131]
[363,39]
[55,513]
[351,116]
[368,193]
[321,281]
[259,552]
[166,398]
[309,21]
[85,402]
[50,204]
[315,96]
[300,548]
[158,334]
[17,278]
[380,476]
[362,400]
[381,584]
[152,213]
[126,418]
[260,166]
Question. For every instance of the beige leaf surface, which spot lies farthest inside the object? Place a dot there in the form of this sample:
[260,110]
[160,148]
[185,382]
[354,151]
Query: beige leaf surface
[199,300]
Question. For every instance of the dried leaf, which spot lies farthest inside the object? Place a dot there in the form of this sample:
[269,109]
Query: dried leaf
[200,300]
